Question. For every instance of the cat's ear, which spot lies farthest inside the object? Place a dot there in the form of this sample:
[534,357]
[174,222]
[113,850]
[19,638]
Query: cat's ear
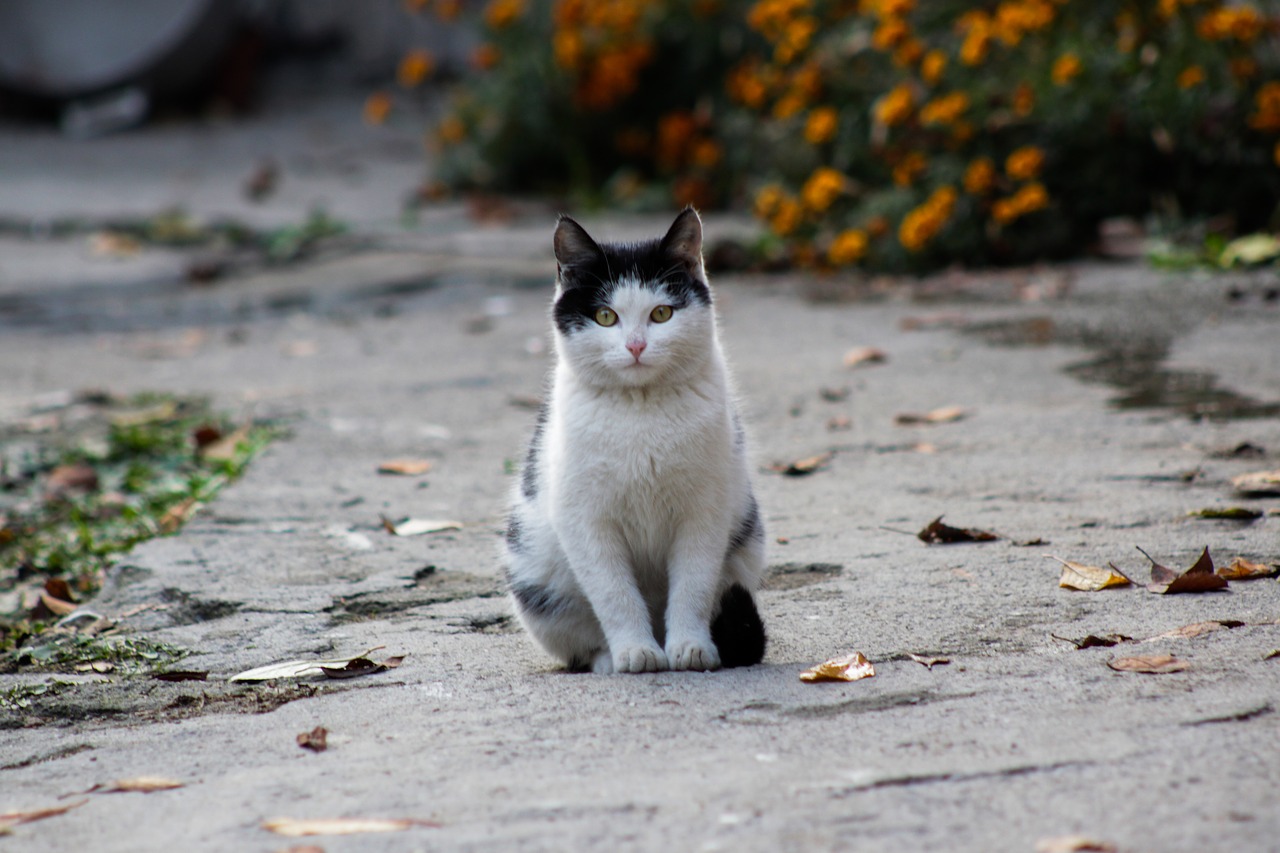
[574,246]
[683,242]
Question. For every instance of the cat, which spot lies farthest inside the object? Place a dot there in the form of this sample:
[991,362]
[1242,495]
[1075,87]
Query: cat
[634,541]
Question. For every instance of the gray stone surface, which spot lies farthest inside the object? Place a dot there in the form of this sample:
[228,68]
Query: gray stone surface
[424,342]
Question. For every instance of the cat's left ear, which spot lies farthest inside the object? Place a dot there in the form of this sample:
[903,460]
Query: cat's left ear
[683,242]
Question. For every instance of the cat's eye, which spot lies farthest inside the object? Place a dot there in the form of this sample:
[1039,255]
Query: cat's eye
[606,316]
[661,314]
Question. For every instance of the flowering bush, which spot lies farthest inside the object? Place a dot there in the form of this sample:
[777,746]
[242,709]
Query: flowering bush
[884,133]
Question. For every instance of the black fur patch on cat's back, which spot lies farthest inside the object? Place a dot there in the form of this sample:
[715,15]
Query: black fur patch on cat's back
[529,476]
[737,630]
[587,287]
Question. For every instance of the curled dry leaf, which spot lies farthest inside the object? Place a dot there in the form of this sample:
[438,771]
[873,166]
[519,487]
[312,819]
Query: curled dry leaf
[1196,629]
[297,668]
[295,828]
[803,467]
[1258,483]
[1094,640]
[1153,664]
[1199,578]
[944,415]
[177,515]
[224,449]
[405,467]
[138,784]
[1088,578]
[1074,844]
[1228,513]
[937,533]
[848,668]
[419,526]
[316,740]
[1274,653]
[864,356]
[929,662]
[1242,569]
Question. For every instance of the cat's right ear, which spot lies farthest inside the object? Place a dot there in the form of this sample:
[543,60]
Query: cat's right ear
[574,246]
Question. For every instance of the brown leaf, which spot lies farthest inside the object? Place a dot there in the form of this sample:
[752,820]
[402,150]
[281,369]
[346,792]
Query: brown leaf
[839,423]
[11,819]
[1198,578]
[72,478]
[205,435]
[405,467]
[1074,844]
[1242,569]
[942,320]
[296,828]
[848,668]
[1229,513]
[55,606]
[938,533]
[354,668]
[1094,640]
[181,675]
[224,449]
[804,467]
[1088,578]
[928,662]
[138,784]
[316,740]
[864,356]
[1274,653]
[177,515]
[1154,664]
[1197,629]
[944,415]
[1257,483]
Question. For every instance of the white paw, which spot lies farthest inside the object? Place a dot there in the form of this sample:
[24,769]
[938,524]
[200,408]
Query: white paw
[693,654]
[603,663]
[639,659]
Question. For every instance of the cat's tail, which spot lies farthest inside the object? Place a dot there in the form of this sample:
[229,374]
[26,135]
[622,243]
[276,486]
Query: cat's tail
[737,629]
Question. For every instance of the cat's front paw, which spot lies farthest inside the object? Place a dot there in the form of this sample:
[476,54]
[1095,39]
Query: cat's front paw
[639,659]
[693,654]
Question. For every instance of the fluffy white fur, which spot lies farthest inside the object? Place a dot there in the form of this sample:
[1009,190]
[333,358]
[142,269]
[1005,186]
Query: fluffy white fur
[641,479]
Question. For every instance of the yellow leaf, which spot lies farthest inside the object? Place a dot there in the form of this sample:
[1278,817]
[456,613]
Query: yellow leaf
[1242,569]
[296,828]
[848,668]
[1088,578]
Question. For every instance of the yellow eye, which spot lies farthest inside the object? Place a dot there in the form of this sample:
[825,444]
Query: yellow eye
[606,317]
[661,314]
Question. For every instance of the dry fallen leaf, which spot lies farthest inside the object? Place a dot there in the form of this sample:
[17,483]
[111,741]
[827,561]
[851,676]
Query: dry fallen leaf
[863,356]
[224,449]
[1257,483]
[316,740]
[73,477]
[56,606]
[942,534]
[1074,844]
[1094,640]
[1229,513]
[848,668]
[362,666]
[1198,578]
[944,415]
[1154,664]
[295,828]
[1196,629]
[177,515]
[181,675]
[114,244]
[405,467]
[138,784]
[9,820]
[419,526]
[1088,578]
[928,662]
[1274,653]
[803,467]
[297,668]
[1242,569]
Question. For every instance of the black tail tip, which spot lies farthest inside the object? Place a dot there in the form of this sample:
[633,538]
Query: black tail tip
[737,629]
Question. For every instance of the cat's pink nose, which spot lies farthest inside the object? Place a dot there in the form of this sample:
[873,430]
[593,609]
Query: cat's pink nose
[635,348]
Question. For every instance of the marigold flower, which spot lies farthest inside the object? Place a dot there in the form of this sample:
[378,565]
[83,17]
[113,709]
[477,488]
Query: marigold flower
[932,66]
[1267,101]
[1024,163]
[821,125]
[822,188]
[415,67]
[706,153]
[377,107]
[767,200]
[945,109]
[1192,75]
[908,53]
[890,33]
[502,13]
[1024,100]
[786,217]
[923,223]
[1028,199]
[448,10]
[909,168]
[847,247]
[745,86]
[894,107]
[979,176]
[566,45]
[1065,69]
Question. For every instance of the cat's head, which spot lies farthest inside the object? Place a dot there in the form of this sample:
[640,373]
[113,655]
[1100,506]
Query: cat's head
[633,314]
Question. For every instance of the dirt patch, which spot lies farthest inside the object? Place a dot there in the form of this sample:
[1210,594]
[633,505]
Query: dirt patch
[796,575]
[429,586]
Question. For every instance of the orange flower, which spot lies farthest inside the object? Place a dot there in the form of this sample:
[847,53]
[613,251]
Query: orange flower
[1024,100]
[786,217]
[675,133]
[821,125]
[945,109]
[1267,101]
[894,107]
[1024,163]
[1065,69]
[847,247]
[923,223]
[909,168]
[979,176]
[447,10]
[377,107]
[1192,75]
[416,66]
[768,200]
[706,153]
[502,13]
[1028,199]
[932,66]
[566,45]
[890,33]
[822,188]
[745,86]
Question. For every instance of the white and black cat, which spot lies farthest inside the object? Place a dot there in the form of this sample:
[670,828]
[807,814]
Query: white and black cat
[635,541]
